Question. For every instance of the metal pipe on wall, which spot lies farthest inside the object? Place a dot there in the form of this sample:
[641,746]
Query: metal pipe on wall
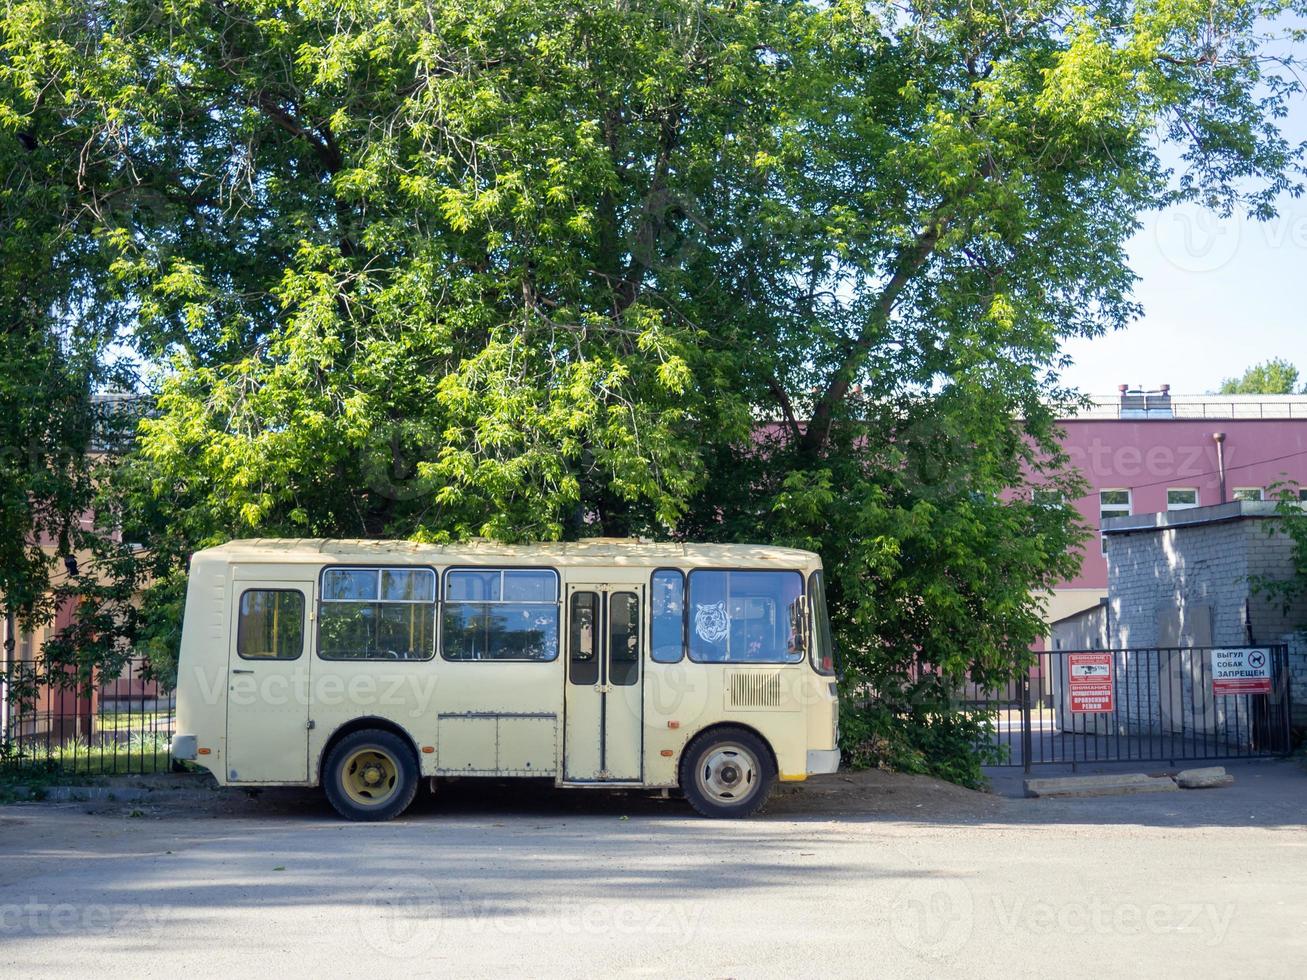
[1219,439]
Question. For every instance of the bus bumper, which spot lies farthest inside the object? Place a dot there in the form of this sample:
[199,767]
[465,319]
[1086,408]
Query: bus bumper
[184,748]
[823,761]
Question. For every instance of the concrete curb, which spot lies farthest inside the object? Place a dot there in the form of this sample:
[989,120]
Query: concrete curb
[109,794]
[126,792]
[85,794]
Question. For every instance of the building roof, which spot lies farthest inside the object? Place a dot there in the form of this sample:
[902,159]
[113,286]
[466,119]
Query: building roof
[1161,404]
[1097,607]
[618,551]
[1233,510]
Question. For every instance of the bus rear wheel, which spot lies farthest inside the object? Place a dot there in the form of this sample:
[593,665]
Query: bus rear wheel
[727,772]
[371,775]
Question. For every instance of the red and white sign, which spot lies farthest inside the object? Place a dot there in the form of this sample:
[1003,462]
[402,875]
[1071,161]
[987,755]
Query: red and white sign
[1090,682]
[1241,670]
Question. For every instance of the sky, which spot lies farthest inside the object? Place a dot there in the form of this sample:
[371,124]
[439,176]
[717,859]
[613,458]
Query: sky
[1218,296]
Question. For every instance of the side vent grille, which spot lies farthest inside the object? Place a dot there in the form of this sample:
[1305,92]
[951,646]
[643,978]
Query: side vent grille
[756,689]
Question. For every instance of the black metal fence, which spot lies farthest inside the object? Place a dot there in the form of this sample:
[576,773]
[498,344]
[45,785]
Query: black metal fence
[1160,704]
[1156,704]
[109,725]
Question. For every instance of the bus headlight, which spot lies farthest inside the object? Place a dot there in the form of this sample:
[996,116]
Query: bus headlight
[184,748]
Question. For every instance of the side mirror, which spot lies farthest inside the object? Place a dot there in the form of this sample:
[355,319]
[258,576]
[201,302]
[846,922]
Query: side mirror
[799,623]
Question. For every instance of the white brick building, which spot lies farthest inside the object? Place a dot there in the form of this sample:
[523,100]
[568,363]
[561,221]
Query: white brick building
[1186,579]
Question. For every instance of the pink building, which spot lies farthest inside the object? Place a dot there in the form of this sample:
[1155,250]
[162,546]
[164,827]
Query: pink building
[1146,452]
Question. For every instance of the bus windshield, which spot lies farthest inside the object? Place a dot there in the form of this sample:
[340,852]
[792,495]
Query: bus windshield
[823,646]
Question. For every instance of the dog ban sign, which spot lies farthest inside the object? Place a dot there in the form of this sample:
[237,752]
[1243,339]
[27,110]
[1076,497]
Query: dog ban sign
[1241,670]
[1090,682]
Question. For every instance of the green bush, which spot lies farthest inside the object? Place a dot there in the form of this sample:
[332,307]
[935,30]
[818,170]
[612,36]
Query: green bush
[938,739]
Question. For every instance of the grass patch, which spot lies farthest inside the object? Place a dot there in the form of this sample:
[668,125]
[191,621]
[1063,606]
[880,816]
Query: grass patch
[143,722]
[137,754]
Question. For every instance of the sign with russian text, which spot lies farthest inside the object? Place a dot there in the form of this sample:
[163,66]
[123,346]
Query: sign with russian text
[1241,670]
[1089,677]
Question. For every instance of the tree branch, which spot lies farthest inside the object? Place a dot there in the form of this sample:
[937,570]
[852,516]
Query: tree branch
[909,264]
[645,239]
[787,408]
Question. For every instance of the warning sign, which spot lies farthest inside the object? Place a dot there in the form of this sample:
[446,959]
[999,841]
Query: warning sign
[1241,670]
[1090,682]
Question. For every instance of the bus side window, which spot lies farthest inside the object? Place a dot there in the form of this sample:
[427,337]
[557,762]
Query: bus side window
[668,597]
[500,614]
[271,624]
[377,614]
[744,616]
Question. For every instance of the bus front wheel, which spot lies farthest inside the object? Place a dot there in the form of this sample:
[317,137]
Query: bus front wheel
[727,772]
[371,775]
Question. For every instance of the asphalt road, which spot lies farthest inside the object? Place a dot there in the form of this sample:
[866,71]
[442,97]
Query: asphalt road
[531,883]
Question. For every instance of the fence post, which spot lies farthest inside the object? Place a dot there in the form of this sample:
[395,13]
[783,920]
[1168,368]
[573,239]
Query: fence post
[1281,660]
[1027,742]
[6,689]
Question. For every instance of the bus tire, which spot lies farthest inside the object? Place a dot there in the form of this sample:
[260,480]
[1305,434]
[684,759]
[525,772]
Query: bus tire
[371,775]
[727,772]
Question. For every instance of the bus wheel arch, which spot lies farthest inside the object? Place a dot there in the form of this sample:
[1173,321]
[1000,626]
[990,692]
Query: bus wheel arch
[727,770]
[361,724]
[370,773]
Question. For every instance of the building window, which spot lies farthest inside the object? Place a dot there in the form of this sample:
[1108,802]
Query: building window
[1112,503]
[1302,495]
[1247,493]
[270,625]
[500,614]
[377,614]
[1183,499]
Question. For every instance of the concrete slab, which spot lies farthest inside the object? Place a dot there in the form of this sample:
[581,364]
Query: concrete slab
[1209,777]
[1106,785]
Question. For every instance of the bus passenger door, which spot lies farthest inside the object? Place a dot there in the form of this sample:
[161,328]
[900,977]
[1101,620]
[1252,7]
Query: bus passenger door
[603,723]
[267,682]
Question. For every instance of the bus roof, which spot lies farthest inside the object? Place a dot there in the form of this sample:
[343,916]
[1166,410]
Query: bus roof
[619,551]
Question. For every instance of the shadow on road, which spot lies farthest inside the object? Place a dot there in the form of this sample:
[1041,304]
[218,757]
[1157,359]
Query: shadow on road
[1265,793]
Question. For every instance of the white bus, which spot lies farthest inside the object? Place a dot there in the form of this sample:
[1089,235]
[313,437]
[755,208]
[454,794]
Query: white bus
[366,666]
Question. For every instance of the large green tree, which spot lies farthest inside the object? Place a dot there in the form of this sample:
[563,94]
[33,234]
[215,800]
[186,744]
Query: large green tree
[787,270]
[54,333]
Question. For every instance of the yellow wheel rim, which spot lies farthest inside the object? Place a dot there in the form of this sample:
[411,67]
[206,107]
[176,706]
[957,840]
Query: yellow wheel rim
[370,777]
